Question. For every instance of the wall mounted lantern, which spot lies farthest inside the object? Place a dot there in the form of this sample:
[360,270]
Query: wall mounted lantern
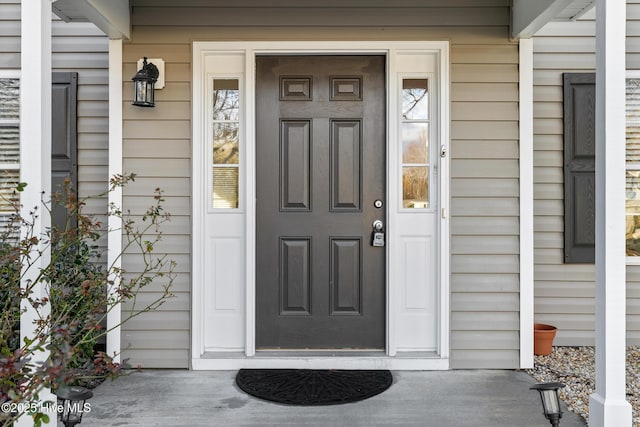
[144,85]
[550,401]
[73,404]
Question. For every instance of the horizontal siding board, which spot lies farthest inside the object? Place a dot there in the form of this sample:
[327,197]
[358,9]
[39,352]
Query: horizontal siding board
[485,301]
[158,168]
[548,191]
[77,44]
[548,241]
[488,130]
[9,28]
[227,16]
[92,125]
[564,290]
[176,52]
[171,110]
[475,321]
[490,111]
[156,320]
[10,44]
[566,306]
[166,358]
[548,223]
[484,92]
[173,244]
[488,282]
[483,73]
[491,187]
[476,340]
[73,60]
[149,339]
[484,359]
[484,245]
[325,3]
[143,186]
[178,302]
[484,168]
[478,206]
[548,126]
[578,61]
[492,226]
[504,54]
[172,205]
[485,149]
[135,264]
[469,35]
[479,264]
[90,157]
[564,44]
[150,149]
[548,256]
[177,224]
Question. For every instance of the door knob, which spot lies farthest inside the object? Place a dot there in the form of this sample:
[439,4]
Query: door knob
[378,225]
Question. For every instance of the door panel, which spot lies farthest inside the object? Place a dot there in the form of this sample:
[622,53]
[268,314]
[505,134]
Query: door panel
[320,138]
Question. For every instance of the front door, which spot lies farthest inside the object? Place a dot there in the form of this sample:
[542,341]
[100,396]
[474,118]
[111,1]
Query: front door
[320,171]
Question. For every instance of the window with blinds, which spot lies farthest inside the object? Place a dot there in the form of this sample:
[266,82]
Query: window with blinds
[632,210]
[9,146]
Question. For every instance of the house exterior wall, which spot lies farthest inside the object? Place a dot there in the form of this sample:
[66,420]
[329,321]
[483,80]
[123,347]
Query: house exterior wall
[83,48]
[484,140]
[565,293]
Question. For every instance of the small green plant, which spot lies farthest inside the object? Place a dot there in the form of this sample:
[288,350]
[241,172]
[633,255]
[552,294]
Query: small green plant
[80,291]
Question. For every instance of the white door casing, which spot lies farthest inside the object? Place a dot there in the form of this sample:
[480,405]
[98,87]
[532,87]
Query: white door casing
[223,273]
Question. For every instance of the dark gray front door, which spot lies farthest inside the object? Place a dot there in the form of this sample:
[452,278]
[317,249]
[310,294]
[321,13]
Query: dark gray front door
[320,136]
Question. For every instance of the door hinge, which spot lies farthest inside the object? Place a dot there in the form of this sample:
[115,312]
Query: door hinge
[444,213]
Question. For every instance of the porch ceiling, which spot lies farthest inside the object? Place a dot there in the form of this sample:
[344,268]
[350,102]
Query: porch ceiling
[528,16]
[113,16]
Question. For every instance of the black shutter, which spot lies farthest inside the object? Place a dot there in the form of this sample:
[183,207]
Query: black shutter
[64,140]
[579,167]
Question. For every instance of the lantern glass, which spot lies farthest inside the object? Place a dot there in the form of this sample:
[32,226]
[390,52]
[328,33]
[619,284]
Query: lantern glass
[144,93]
[550,401]
[73,404]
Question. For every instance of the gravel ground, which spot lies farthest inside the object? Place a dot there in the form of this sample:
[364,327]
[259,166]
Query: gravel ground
[575,367]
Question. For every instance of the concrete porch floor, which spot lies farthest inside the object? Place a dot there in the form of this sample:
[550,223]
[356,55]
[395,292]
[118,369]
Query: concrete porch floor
[211,398]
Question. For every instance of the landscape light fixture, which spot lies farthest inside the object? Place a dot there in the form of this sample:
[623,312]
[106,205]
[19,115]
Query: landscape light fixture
[144,85]
[73,404]
[550,401]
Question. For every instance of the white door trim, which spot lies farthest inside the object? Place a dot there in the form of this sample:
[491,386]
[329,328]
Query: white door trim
[201,358]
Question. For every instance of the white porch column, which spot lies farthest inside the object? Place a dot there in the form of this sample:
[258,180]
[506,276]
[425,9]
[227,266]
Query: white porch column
[35,149]
[607,406]
[526,203]
[115,197]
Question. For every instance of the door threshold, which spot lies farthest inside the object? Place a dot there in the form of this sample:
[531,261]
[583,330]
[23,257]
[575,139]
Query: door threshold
[411,361]
[319,353]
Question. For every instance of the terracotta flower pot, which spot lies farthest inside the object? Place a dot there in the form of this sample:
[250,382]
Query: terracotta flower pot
[543,336]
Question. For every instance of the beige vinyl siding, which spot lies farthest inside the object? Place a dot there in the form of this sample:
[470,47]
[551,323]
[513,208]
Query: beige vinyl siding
[484,136]
[565,293]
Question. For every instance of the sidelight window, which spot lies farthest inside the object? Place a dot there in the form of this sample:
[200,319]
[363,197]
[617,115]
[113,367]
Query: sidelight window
[226,143]
[415,143]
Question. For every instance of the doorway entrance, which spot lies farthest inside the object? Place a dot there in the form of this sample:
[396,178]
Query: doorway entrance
[320,186]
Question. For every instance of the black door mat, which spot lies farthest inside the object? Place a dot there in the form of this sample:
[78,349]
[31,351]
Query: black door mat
[313,386]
